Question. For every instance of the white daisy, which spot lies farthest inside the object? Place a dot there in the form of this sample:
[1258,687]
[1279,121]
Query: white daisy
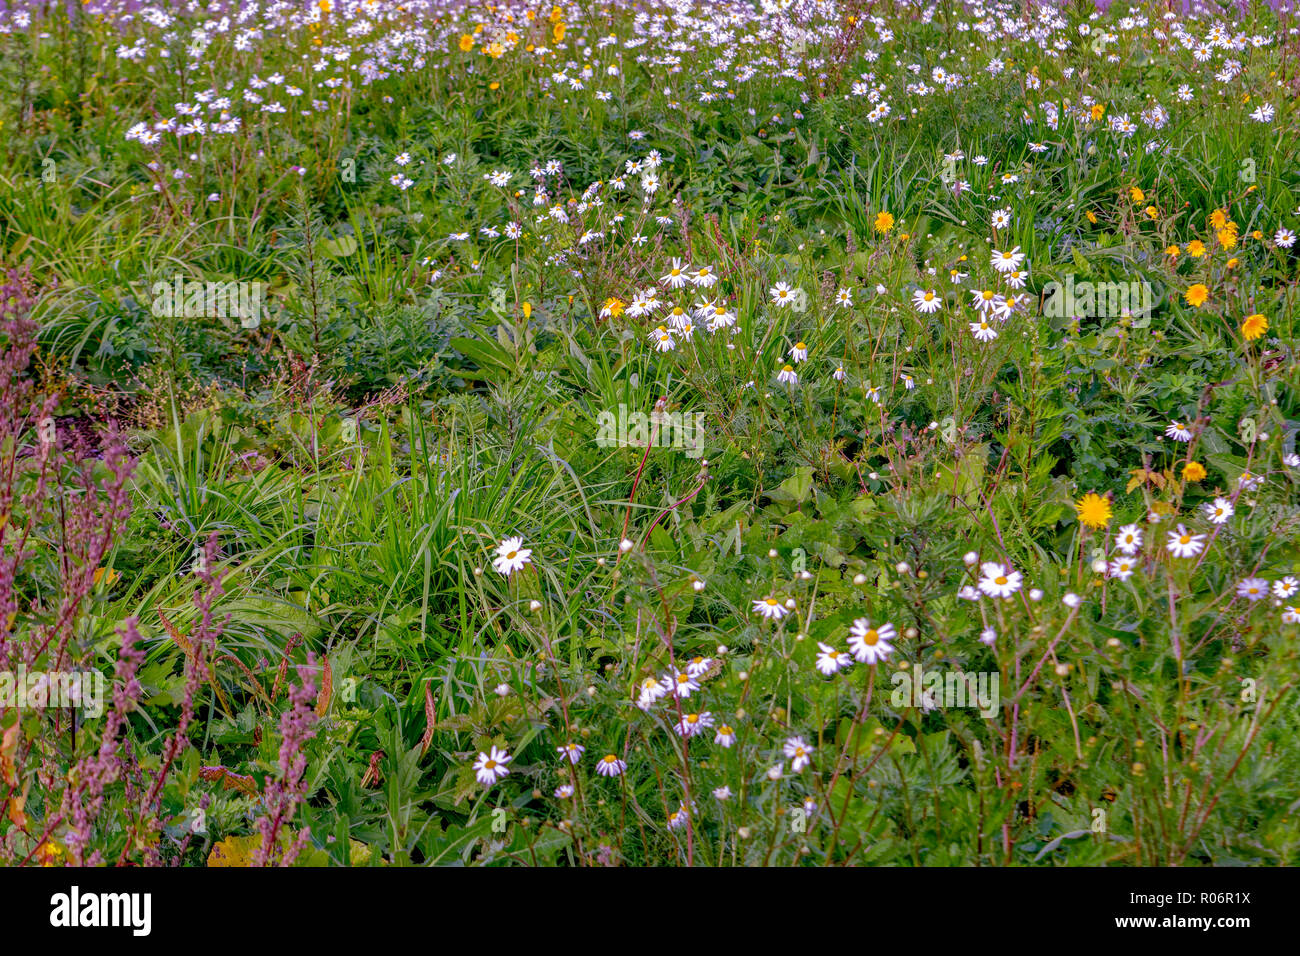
[870,644]
[1286,588]
[926,302]
[491,767]
[1218,511]
[1008,261]
[573,752]
[1183,544]
[511,556]
[999,580]
[799,752]
[1253,589]
[610,766]
[1122,568]
[830,660]
[770,608]
[1129,539]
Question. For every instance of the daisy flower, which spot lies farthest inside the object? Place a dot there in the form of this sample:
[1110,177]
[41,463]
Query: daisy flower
[511,556]
[1178,431]
[870,644]
[999,580]
[681,684]
[1253,589]
[782,294]
[704,277]
[573,752]
[662,340]
[770,608]
[1122,568]
[787,375]
[986,300]
[677,275]
[1183,544]
[1218,511]
[799,353]
[724,735]
[1008,261]
[829,660]
[926,302]
[1129,539]
[698,666]
[610,766]
[650,691]
[799,752]
[491,767]
[1285,588]
[692,724]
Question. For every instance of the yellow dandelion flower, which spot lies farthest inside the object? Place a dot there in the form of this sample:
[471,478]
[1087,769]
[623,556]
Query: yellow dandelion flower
[1196,248]
[1197,295]
[884,222]
[1093,510]
[466,42]
[1254,326]
[1193,471]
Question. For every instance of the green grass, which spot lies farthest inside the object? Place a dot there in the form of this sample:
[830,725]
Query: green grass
[408,401]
